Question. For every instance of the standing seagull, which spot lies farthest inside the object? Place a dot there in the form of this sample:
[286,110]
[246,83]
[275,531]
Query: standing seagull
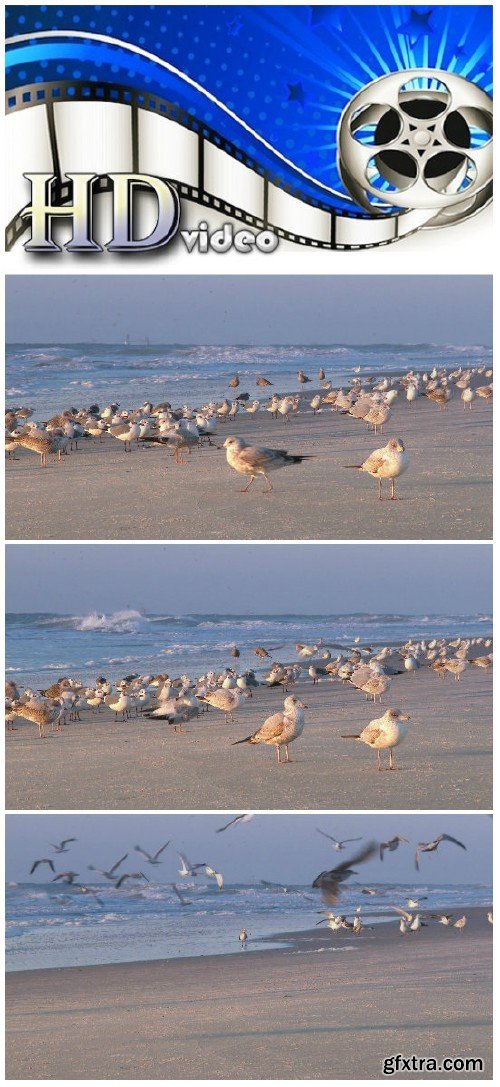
[430,847]
[330,882]
[391,845]
[281,728]
[337,846]
[152,858]
[383,733]
[253,461]
[389,462]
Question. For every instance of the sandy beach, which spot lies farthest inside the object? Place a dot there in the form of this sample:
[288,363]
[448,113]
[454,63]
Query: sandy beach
[444,762]
[295,1013]
[101,493]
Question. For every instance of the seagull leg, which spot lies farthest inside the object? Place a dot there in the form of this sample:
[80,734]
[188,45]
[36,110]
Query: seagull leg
[270,487]
[278,753]
[391,760]
[249,484]
[380,489]
[379,766]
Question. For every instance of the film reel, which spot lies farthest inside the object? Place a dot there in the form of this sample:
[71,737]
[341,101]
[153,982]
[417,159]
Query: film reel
[420,140]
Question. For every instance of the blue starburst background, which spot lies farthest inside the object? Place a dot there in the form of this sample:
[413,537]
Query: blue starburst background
[287,72]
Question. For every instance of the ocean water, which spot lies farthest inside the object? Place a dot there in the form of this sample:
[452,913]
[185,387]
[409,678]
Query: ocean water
[42,647]
[50,928]
[49,377]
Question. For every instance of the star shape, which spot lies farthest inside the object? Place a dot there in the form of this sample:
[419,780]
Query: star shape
[417,26]
[324,14]
[234,26]
[296,92]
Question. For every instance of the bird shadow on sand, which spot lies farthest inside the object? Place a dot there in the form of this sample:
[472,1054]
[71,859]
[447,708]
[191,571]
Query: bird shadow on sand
[374,1028]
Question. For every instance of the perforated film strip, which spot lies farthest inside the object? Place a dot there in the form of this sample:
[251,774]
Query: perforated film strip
[64,127]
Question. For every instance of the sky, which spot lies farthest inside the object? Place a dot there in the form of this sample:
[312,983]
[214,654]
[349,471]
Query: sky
[256,310]
[250,579]
[282,848]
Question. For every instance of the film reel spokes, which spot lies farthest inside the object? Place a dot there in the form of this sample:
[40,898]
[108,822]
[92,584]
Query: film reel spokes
[419,140]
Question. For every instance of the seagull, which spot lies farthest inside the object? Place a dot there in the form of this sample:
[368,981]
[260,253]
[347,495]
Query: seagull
[252,460]
[335,923]
[217,876]
[383,733]
[43,860]
[233,822]
[111,874]
[188,869]
[152,858]
[89,891]
[443,918]
[183,901]
[461,923]
[61,847]
[389,462]
[330,882]
[414,903]
[281,728]
[430,847]
[337,846]
[68,877]
[130,875]
[243,937]
[391,845]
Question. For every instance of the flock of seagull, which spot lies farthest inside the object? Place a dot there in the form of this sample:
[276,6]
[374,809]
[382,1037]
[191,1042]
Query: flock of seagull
[329,882]
[188,428]
[179,700]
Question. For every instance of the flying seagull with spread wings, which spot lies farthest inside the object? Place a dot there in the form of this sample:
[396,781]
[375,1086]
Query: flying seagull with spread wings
[330,882]
[152,858]
[430,847]
[237,819]
[337,845]
[391,845]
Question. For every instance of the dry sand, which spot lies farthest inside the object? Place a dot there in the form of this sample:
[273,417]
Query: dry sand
[444,762]
[101,493]
[288,1014]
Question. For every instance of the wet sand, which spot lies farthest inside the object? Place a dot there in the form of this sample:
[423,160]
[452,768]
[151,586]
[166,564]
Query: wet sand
[298,1013]
[444,762]
[101,493]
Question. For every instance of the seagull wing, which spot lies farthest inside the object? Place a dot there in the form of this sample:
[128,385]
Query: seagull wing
[143,853]
[121,880]
[161,850]
[325,835]
[374,462]
[230,824]
[345,840]
[404,913]
[329,882]
[66,841]
[370,734]
[272,727]
[117,864]
[448,838]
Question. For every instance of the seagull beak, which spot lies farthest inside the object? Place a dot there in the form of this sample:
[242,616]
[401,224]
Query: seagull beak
[405,717]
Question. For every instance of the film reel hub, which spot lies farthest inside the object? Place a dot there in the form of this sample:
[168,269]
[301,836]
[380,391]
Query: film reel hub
[419,140]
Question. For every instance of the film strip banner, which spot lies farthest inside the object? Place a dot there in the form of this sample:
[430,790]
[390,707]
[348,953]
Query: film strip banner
[64,127]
